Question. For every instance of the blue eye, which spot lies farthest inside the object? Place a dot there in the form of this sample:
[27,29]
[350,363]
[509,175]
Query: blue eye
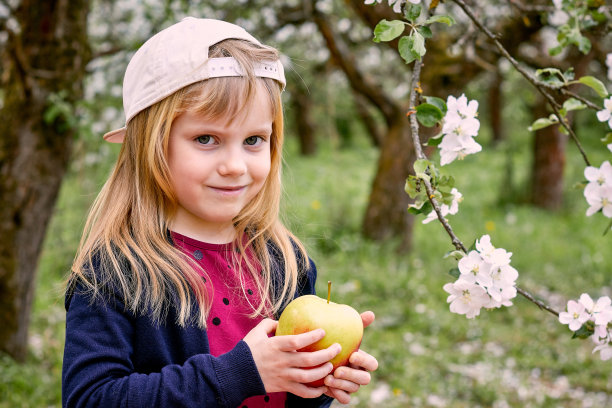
[253,140]
[204,139]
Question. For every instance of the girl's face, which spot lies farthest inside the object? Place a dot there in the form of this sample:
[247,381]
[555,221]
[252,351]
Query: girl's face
[217,167]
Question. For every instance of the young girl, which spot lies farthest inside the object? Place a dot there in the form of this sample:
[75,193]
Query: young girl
[184,263]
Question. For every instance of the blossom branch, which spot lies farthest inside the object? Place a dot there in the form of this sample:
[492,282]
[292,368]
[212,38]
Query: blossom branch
[416,141]
[414,130]
[539,85]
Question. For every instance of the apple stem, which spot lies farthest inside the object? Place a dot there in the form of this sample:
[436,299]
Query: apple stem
[328,291]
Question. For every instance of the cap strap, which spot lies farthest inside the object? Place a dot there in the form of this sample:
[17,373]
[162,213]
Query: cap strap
[228,66]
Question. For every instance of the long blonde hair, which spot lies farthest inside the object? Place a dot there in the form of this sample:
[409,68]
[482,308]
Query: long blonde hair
[126,250]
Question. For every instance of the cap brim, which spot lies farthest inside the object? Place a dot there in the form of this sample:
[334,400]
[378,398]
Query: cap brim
[116,136]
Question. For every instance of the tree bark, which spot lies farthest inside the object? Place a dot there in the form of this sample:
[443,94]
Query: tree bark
[301,103]
[43,69]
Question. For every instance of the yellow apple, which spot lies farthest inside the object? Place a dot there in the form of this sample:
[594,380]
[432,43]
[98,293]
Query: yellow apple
[342,325]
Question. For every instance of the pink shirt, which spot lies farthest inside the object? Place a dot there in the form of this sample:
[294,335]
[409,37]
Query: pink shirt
[228,320]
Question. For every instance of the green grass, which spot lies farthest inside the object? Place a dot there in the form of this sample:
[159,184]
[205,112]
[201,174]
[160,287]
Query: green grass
[518,356]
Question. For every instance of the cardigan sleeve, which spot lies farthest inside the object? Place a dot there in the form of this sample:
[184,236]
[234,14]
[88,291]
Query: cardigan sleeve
[99,370]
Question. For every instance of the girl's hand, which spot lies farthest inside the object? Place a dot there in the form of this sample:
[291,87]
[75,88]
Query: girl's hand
[282,367]
[347,380]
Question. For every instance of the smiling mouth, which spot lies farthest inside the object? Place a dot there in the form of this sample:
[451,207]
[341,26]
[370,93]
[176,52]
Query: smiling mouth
[228,188]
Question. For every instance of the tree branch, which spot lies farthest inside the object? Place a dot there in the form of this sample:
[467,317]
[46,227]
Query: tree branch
[540,86]
[414,128]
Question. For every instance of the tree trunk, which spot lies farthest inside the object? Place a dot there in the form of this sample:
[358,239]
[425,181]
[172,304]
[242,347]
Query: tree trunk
[302,113]
[548,163]
[387,212]
[44,66]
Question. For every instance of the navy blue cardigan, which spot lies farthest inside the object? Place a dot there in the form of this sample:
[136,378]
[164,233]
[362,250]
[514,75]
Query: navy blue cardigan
[113,358]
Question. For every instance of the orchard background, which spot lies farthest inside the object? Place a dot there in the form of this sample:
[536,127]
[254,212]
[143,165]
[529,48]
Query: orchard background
[349,153]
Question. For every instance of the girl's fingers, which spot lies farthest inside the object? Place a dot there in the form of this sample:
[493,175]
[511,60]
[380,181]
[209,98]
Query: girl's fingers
[367,318]
[355,376]
[336,383]
[315,358]
[361,359]
[342,396]
[305,391]
[306,375]
[299,341]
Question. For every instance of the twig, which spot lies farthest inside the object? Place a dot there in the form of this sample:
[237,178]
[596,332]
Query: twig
[540,86]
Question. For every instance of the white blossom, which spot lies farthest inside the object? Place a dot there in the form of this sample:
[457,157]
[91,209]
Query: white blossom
[575,316]
[459,127]
[599,198]
[474,269]
[603,345]
[487,268]
[445,209]
[605,115]
[466,298]
[598,192]
[601,175]
[609,65]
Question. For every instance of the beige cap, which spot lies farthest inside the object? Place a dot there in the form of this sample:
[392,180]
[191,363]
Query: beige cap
[177,57]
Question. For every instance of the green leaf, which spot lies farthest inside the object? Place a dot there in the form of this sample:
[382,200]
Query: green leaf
[418,44]
[573,104]
[429,115]
[542,123]
[455,272]
[412,12]
[439,102]
[420,166]
[584,45]
[425,32]
[456,254]
[554,51]
[422,207]
[607,139]
[388,30]
[552,76]
[411,187]
[594,84]
[448,20]
[405,49]
[584,332]
[434,141]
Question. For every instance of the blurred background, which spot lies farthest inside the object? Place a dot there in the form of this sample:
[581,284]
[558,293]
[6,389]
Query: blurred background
[347,156]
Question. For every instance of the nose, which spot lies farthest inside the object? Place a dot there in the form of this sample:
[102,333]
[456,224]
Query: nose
[232,162]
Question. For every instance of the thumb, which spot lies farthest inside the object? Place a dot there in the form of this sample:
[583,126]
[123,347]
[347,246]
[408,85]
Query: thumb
[268,326]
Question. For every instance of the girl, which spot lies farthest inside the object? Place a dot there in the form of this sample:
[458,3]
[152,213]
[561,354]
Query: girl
[183,258]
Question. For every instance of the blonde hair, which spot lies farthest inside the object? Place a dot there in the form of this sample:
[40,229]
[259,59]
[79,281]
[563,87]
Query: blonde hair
[126,250]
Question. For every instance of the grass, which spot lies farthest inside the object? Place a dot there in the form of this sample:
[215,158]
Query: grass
[518,356]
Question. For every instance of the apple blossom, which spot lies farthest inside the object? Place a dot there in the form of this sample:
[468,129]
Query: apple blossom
[459,127]
[466,298]
[599,198]
[445,209]
[605,115]
[575,316]
[609,65]
[488,268]
[601,175]
[474,269]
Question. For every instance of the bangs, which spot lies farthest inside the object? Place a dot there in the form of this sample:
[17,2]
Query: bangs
[227,97]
